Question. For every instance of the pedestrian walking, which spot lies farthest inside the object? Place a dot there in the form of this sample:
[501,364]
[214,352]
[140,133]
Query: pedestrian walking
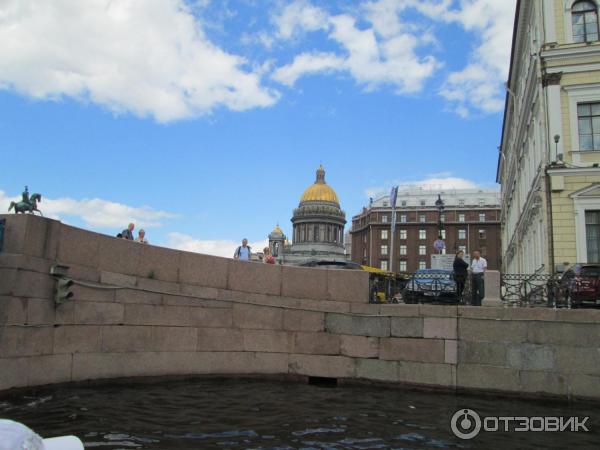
[243,252]
[127,233]
[478,268]
[461,273]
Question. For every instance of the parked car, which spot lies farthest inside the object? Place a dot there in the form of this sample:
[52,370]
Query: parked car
[581,285]
[326,264]
[430,285]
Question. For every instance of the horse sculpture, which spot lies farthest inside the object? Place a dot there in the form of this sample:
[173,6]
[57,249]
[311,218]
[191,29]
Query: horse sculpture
[28,204]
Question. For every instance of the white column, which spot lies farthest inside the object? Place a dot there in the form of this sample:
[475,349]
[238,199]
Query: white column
[549,21]
[554,113]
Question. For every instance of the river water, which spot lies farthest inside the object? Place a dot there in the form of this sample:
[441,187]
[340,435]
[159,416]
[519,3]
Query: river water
[250,414]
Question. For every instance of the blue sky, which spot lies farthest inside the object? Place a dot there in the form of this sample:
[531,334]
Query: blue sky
[204,121]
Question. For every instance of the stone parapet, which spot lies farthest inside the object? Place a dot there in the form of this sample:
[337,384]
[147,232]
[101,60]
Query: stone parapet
[205,315]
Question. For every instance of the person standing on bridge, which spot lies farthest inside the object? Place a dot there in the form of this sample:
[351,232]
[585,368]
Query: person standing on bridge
[478,268]
[127,233]
[141,237]
[243,252]
[460,268]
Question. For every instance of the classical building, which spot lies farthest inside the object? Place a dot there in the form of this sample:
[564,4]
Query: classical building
[470,221]
[318,227]
[549,164]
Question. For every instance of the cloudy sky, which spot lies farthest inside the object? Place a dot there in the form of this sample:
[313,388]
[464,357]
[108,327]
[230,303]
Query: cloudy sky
[203,120]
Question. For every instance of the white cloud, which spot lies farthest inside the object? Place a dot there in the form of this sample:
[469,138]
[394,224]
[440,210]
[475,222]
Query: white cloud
[97,213]
[441,181]
[479,86]
[307,63]
[386,51]
[384,54]
[298,17]
[224,248]
[146,57]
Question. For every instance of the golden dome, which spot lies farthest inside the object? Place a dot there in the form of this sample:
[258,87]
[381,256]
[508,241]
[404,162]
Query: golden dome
[277,230]
[320,191]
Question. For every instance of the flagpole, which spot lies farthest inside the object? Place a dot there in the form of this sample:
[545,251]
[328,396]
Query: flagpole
[393,197]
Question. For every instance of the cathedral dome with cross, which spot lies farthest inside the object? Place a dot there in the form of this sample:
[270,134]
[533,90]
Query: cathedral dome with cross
[318,226]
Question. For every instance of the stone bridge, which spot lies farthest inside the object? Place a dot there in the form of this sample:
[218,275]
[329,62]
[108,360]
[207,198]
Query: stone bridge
[142,310]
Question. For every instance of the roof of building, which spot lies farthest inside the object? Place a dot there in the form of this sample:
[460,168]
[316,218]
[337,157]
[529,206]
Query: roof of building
[418,197]
[277,230]
[320,191]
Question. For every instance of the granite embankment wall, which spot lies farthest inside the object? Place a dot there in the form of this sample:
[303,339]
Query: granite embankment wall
[151,311]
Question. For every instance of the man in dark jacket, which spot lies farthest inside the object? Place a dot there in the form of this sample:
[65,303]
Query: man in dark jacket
[460,267]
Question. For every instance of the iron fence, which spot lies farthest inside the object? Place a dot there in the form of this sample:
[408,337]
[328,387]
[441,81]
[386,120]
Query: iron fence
[550,290]
[420,288]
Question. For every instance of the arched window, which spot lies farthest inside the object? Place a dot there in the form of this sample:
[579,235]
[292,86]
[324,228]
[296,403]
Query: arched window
[585,21]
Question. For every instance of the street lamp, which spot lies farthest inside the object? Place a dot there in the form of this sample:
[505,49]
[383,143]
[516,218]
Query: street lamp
[559,157]
[439,204]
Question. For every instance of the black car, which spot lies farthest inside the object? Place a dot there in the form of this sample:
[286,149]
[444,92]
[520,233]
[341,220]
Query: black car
[431,285]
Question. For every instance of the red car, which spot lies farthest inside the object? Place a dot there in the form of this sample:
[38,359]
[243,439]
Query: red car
[582,283]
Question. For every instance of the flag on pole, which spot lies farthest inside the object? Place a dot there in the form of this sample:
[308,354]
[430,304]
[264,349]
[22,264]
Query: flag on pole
[393,197]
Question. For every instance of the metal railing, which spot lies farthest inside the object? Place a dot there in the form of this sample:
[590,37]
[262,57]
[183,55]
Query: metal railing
[419,288]
[550,290]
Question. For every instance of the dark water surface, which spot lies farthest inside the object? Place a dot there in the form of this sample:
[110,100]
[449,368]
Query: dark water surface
[248,414]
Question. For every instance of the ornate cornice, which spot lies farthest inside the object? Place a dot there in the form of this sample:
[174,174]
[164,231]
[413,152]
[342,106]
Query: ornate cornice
[551,79]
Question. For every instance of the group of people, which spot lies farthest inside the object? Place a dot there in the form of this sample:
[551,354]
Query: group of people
[244,253]
[127,233]
[477,269]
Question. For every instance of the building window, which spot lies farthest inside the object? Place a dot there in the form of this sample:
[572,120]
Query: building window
[384,218]
[422,218]
[442,217]
[384,265]
[443,234]
[461,203]
[592,235]
[402,266]
[384,234]
[585,21]
[385,204]
[403,203]
[588,117]
[462,234]
[403,251]
[384,250]
[462,248]
[422,250]
[482,217]
[461,217]
[403,218]
[482,234]
[422,234]
[403,234]
[481,202]
[422,203]
[422,265]
[483,251]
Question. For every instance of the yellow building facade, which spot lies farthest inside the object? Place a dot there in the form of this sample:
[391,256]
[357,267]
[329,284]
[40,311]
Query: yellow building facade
[550,153]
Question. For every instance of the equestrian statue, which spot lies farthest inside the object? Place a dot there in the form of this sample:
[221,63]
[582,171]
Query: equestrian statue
[28,204]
